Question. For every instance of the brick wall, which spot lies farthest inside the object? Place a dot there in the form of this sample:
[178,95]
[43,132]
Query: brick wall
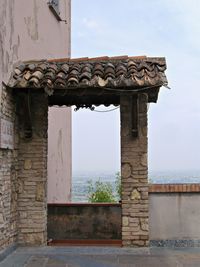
[174,188]
[32,178]
[8,177]
[134,175]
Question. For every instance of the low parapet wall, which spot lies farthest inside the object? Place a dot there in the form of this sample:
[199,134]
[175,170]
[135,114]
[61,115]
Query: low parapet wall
[83,221]
[174,217]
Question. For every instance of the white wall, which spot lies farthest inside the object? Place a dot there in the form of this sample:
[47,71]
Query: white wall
[174,216]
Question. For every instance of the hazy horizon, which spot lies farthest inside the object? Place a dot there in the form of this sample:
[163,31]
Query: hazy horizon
[113,172]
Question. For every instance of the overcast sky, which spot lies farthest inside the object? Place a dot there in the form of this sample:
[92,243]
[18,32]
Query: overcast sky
[169,28]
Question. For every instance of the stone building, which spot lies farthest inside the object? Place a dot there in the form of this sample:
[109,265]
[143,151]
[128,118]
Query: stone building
[30,30]
[31,86]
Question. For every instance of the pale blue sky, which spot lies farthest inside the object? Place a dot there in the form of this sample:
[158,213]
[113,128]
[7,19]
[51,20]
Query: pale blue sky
[169,28]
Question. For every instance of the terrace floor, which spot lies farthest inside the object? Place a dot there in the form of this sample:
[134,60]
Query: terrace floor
[102,257]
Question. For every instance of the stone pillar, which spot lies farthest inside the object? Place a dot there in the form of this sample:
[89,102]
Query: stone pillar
[134,172]
[32,176]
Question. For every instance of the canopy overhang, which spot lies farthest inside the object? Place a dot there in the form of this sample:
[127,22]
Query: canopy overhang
[90,81]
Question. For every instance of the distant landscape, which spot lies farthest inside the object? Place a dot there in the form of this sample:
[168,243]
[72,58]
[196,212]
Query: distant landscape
[80,180]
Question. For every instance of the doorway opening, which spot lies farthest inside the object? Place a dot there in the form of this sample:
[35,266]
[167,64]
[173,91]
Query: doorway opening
[96,161]
[95,151]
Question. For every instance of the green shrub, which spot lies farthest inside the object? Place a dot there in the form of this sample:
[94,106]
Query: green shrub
[100,192]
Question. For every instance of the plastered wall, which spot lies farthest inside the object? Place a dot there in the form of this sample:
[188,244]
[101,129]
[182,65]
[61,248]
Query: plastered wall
[28,30]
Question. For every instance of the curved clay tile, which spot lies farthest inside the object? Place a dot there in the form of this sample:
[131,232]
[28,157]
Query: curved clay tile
[109,72]
[72,81]
[86,69]
[73,72]
[61,75]
[37,74]
[27,75]
[131,63]
[65,68]
[52,67]
[110,65]
[75,67]
[161,68]
[151,74]
[139,81]
[98,70]
[17,72]
[87,64]
[120,70]
[50,75]
[41,67]
[85,75]
[34,82]
[60,83]
[47,83]
[31,66]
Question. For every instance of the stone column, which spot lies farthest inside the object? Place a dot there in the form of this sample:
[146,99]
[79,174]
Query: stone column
[134,172]
[32,176]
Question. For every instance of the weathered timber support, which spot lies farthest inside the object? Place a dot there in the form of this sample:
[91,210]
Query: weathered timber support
[27,115]
[134,115]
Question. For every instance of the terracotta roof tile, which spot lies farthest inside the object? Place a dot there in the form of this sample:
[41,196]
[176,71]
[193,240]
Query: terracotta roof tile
[118,72]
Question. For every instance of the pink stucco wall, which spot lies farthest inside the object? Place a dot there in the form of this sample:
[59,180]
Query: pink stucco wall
[59,155]
[41,34]
[29,30]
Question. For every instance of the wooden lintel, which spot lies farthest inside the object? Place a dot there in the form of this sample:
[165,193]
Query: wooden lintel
[27,116]
[134,116]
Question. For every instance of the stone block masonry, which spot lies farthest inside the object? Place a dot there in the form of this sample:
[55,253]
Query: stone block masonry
[134,171]
[8,177]
[23,175]
[32,175]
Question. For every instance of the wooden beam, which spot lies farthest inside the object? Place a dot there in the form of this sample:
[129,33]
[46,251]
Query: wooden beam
[134,116]
[27,116]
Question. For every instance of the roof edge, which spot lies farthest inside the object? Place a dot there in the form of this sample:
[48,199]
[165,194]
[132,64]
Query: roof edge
[93,59]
